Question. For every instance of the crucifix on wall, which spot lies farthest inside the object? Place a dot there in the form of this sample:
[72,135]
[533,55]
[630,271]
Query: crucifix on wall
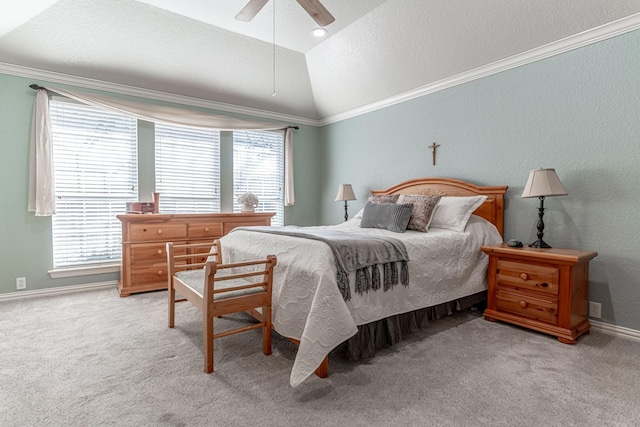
[433,152]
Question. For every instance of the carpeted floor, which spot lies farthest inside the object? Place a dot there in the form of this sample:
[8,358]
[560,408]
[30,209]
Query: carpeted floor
[92,358]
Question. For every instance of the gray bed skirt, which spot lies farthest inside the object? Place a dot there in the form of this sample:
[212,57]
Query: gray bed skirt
[389,331]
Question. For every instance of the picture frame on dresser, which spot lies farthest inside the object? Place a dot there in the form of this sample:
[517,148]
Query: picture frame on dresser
[144,238]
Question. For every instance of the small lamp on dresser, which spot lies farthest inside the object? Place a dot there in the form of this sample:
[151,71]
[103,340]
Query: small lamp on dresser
[542,183]
[345,192]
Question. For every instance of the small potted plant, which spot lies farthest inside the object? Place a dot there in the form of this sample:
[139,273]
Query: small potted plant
[249,202]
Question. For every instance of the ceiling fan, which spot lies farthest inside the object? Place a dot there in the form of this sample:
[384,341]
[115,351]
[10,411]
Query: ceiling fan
[313,7]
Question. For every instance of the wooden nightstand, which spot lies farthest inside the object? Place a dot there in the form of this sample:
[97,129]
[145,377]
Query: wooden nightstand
[541,289]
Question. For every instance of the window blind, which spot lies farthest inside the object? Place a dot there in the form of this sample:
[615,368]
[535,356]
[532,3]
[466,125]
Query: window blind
[187,169]
[258,168]
[95,170]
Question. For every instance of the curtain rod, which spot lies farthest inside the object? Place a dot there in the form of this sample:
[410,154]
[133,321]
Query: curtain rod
[37,87]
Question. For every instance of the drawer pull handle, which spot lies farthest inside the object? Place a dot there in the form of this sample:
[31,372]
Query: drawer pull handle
[206,229]
[544,284]
[159,272]
[159,251]
[523,304]
[524,276]
[159,230]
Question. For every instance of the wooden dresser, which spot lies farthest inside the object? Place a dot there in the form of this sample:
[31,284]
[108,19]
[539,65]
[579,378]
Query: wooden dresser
[144,238]
[541,289]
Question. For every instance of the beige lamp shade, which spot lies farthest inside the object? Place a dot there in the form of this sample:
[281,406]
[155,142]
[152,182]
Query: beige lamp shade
[345,192]
[543,183]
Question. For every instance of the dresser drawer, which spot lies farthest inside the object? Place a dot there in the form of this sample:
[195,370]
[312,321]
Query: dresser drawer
[539,308]
[228,226]
[539,278]
[142,274]
[198,230]
[153,252]
[157,232]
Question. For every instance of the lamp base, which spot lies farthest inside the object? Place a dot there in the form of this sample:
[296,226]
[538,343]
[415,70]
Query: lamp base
[540,244]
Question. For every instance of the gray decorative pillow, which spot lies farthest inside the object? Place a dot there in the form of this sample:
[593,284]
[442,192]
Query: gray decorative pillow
[384,198]
[390,216]
[423,209]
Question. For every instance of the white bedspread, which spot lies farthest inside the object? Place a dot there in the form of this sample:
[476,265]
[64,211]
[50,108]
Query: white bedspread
[307,305]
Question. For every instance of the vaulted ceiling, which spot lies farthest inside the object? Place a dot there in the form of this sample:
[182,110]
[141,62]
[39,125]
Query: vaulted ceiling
[375,49]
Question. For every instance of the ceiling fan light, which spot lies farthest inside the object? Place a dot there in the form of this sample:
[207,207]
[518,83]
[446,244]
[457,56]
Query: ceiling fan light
[319,32]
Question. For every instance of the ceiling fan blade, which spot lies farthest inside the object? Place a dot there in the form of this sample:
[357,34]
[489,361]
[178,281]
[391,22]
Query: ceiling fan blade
[317,11]
[250,10]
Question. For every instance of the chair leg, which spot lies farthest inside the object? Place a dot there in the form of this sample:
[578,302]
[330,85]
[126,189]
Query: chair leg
[207,340]
[266,330]
[172,305]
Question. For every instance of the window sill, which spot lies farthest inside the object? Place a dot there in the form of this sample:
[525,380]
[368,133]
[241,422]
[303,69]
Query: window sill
[84,270]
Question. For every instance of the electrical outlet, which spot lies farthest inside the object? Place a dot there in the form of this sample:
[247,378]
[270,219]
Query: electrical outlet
[595,309]
[21,283]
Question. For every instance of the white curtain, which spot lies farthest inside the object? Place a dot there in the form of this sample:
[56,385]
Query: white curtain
[41,179]
[289,196]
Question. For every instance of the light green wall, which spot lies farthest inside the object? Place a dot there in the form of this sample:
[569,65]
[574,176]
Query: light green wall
[578,112]
[25,249]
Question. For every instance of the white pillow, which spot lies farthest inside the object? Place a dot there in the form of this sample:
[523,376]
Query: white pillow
[453,213]
[359,214]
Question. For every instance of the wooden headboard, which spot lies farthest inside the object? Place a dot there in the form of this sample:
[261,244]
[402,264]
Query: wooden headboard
[492,209]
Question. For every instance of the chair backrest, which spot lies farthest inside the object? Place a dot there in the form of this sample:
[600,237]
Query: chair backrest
[232,279]
[239,277]
[191,256]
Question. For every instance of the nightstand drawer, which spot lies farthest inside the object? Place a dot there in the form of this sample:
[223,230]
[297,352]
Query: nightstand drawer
[528,276]
[542,309]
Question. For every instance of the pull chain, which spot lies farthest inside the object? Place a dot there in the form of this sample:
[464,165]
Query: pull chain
[274,48]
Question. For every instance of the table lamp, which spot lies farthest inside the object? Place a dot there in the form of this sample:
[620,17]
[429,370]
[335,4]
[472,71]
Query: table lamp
[345,192]
[542,183]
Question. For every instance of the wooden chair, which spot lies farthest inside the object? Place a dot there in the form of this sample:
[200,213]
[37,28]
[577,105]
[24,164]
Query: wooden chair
[196,273]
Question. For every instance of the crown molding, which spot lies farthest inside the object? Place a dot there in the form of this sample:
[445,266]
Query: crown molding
[576,41]
[594,35]
[83,82]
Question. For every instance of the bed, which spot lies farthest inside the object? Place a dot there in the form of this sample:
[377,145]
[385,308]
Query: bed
[444,267]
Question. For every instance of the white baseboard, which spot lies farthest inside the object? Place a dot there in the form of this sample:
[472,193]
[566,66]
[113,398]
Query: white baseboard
[617,331]
[56,291]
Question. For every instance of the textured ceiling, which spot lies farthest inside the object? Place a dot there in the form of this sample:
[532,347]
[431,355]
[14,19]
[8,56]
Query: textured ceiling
[293,24]
[376,49]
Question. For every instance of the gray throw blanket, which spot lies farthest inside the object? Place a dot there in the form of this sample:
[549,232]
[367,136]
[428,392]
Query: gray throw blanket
[354,252]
